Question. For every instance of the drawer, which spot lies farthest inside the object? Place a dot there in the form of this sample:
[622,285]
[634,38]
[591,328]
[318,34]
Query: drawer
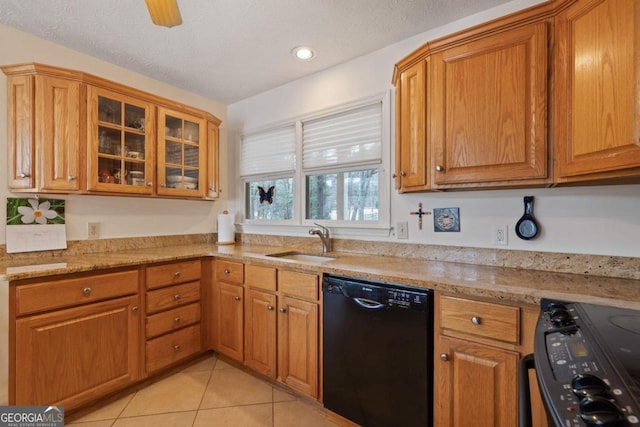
[229,271]
[261,277]
[171,274]
[484,319]
[303,285]
[68,292]
[167,349]
[171,320]
[173,296]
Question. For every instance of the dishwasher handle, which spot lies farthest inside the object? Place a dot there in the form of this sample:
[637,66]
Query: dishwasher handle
[368,304]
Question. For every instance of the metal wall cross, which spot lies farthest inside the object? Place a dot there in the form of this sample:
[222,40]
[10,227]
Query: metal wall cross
[420,212]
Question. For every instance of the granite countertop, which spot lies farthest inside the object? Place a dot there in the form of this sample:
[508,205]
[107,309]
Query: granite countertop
[511,284]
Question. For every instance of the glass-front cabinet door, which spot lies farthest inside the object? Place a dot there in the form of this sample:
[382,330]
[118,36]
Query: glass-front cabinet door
[120,155]
[181,154]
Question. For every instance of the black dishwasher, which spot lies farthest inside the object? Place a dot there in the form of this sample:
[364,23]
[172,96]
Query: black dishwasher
[377,349]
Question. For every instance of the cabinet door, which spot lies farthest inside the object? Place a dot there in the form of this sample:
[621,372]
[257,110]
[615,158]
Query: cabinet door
[412,146]
[58,133]
[229,314]
[597,97]
[68,357]
[213,161]
[298,345]
[182,154]
[489,109]
[475,386]
[260,332]
[120,156]
[20,123]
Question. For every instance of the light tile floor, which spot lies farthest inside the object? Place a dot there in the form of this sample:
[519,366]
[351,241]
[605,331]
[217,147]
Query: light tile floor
[209,393]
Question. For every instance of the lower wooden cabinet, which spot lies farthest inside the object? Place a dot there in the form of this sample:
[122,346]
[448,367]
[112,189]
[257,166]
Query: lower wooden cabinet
[69,357]
[298,345]
[477,385]
[260,332]
[228,309]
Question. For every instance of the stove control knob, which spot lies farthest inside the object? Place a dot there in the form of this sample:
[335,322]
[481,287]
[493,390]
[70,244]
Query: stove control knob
[584,385]
[561,318]
[601,412]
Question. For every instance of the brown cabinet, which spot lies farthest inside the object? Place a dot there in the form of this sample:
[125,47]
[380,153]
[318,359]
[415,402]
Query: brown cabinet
[228,308]
[413,154]
[45,130]
[173,313]
[298,331]
[82,343]
[71,132]
[596,104]
[477,348]
[489,109]
[260,320]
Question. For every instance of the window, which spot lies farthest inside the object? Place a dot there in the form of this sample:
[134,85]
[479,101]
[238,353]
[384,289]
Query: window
[340,174]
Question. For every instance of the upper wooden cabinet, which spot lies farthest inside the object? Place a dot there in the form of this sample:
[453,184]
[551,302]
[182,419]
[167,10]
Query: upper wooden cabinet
[489,109]
[71,132]
[472,107]
[596,73]
[45,125]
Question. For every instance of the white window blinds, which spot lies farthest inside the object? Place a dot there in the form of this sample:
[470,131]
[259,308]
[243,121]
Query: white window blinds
[353,136]
[268,152]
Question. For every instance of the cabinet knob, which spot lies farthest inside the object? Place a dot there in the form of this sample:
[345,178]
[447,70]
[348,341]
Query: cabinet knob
[227,271]
[237,298]
[394,176]
[444,357]
[163,185]
[135,309]
[402,173]
[476,320]
[176,348]
[176,297]
[71,178]
[270,307]
[87,291]
[24,175]
[440,168]
[176,274]
[177,320]
[283,310]
[149,184]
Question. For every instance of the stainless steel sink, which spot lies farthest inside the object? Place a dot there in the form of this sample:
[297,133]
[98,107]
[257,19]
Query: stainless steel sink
[302,256]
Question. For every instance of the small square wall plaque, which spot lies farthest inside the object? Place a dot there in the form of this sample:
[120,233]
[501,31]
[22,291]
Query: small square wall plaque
[446,219]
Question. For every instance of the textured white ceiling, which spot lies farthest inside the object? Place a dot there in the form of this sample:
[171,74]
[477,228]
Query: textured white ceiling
[228,50]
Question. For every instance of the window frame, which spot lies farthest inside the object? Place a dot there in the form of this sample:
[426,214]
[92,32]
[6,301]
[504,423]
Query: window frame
[346,228]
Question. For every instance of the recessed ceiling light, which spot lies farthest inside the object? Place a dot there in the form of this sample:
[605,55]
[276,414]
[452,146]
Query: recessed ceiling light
[303,53]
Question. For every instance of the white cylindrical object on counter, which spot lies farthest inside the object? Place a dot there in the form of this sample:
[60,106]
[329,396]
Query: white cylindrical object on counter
[226,229]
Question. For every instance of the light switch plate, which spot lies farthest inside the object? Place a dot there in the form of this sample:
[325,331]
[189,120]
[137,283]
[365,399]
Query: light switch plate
[402,230]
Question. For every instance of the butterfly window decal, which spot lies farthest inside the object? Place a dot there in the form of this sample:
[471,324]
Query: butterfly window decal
[266,196]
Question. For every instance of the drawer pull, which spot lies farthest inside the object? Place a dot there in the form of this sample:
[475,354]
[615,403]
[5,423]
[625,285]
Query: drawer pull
[134,309]
[283,310]
[24,175]
[444,357]
[227,271]
[270,307]
[176,297]
[176,274]
[176,348]
[476,320]
[440,168]
[71,178]
[177,320]
[237,298]
[86,291]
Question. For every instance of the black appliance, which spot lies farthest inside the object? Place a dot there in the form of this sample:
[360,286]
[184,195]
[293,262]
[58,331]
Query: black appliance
[587,360]
[378,352]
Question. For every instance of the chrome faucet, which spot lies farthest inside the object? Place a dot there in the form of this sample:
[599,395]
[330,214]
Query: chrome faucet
[323,233]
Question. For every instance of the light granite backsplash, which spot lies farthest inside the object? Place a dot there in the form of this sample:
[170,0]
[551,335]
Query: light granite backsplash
[597,265]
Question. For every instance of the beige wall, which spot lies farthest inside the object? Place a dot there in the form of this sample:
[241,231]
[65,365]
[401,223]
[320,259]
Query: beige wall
[118,216]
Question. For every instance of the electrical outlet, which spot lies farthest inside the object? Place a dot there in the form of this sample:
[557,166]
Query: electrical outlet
[402,230]
[500,235]
[93,230]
